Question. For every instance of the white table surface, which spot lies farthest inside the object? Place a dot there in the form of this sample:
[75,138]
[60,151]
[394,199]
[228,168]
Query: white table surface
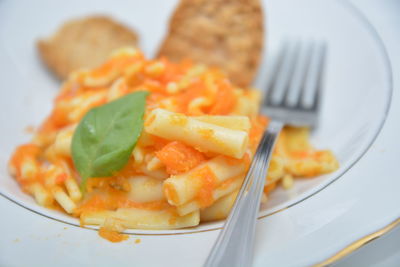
[385,16]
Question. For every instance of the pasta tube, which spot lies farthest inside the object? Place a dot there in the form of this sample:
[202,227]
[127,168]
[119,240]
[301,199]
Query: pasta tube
[216,195]
[201,135]
[220,209]
[42,196]
[241,123]
[63,199]
[145,189]
[182,188]
[142,219]
[73,189]
[62,143]
[248,103]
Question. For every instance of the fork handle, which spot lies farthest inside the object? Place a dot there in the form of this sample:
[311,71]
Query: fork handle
[235,243]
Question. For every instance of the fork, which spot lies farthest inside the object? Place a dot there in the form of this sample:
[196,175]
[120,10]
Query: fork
[293,98]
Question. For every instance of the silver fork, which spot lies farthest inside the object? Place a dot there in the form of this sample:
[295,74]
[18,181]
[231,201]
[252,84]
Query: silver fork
[292,97]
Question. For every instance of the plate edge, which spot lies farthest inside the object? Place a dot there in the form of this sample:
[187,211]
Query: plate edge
[359,243]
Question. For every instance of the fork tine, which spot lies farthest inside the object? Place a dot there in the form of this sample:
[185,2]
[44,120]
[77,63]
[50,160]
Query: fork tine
[272,72]
[294,94]
[297,83]
[278,86]
[313,83]
[320,78]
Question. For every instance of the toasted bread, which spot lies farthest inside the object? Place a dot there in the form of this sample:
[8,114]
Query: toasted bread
[84,43]
[223,33]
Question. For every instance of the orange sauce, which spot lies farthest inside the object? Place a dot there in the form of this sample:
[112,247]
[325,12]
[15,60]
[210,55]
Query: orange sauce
[268,188]
[258,125]
[159,142]
[115,64]
[179,158]
[207,177]
[23,152]
[28,152]
[226,99]
[114,199]
[111,235]
[61,178]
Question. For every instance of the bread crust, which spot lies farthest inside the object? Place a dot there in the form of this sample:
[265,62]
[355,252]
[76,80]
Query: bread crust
[223,33]
[84,43]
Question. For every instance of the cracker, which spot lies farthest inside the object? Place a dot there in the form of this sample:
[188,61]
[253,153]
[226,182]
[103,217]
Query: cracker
[84,43]
[223,33]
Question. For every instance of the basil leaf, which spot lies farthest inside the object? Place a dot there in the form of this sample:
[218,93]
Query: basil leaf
[105,137]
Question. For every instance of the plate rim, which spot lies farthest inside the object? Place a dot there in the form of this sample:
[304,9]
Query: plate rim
[364,240]
[359,243]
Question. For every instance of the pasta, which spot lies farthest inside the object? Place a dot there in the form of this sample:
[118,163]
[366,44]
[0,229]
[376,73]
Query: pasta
[216,194]
[182,188]
[145,189]
[143,219]
[240,123]
[199,136]
[220,209]
[202,135]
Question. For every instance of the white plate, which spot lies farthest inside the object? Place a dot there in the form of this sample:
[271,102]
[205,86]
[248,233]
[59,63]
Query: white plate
[299,227]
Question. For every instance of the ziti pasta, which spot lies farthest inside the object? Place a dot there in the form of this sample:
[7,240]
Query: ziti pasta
[151,144]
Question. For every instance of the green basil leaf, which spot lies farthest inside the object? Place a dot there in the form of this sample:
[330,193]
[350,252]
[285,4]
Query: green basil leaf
[105,137]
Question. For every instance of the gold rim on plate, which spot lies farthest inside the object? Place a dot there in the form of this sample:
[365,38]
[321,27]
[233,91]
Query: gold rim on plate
[359,243]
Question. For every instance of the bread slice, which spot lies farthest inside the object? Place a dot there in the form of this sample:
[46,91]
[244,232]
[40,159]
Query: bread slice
[84,43]
[223,33]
